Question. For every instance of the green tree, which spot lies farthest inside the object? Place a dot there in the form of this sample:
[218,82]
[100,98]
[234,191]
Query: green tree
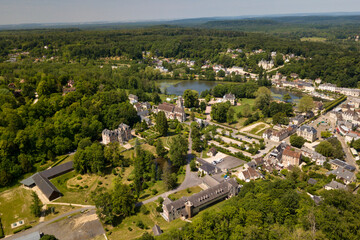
[191,98]
[306,103]
[36,205]
[280,118]
[246,111]
[325,148]
[203,106]
[160,150]
[193,165]
[263,97]
[170,179]
[178,149]
[286,97]
[123,200]
[230,115]
[297,141]
[162,124]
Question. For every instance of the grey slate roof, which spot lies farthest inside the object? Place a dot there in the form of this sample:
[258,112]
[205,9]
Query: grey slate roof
[342,164]
[335,185]
[312,181]
[342,173]
[157,230]
[205,166]
[58,170]
[308,129]
[203,197]
[46,187]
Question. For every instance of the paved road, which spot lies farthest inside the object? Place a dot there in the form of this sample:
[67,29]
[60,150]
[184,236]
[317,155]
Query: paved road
[348,156]
[43,224]
[191,179]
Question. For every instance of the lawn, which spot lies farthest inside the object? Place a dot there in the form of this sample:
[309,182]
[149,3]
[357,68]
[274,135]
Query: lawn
[185,193]
[259,129]
[127,229]
[15,206]
[160,187]
[76,188]
[244,101]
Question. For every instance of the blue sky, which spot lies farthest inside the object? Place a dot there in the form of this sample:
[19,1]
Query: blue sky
[54,11]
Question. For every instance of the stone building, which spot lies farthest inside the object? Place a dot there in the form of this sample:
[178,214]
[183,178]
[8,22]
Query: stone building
[229,97]
[290,157]
[307,132]
[187,207]
[121,134]
[173,111]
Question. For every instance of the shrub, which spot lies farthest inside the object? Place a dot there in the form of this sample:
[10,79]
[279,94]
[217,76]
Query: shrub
[160,200]
[130,229]
[154,191]
[140,224]
[99,182]
[22,228]
[86,186]
[159,209]
[2,234]
[79,178]
[144,210]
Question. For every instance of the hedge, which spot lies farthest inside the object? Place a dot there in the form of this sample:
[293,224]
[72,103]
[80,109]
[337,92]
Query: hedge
[22,228]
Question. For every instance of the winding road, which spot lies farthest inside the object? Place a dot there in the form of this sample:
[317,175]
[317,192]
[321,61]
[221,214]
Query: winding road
[191,179]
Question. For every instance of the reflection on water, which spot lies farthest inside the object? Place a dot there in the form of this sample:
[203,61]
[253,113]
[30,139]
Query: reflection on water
[177,87]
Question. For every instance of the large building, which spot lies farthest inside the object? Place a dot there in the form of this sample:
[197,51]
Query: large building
[187,207]
[229,97]
[41,180]
[290,157]
[307,132]
[173,111]
[121,134]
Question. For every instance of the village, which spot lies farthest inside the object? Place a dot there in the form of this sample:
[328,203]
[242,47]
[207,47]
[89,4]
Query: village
[232,154]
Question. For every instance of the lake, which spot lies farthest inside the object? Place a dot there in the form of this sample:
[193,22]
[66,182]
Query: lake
[177,87]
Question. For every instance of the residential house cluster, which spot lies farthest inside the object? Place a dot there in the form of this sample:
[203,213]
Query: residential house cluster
[280,135]
[333,88]
[143,109]
[284,156]
[342,171]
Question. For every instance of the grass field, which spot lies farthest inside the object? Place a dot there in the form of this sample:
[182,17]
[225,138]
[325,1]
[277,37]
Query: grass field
[15,206]
[127,229]
[313,39]
[185,193]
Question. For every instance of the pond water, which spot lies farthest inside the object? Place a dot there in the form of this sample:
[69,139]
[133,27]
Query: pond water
[177,87]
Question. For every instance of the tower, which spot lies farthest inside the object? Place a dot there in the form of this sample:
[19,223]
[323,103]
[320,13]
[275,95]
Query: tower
[180,102]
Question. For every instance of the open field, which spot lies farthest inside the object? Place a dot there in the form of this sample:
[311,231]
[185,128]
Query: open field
[313,39]
[15,206]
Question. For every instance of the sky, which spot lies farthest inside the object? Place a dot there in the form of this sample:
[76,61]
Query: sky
[67,11]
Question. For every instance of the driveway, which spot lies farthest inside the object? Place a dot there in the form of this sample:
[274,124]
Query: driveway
[191,179]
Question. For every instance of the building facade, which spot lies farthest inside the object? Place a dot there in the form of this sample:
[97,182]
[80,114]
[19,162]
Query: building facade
[173,111]
[307,132]
[121,134]
[187,207]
